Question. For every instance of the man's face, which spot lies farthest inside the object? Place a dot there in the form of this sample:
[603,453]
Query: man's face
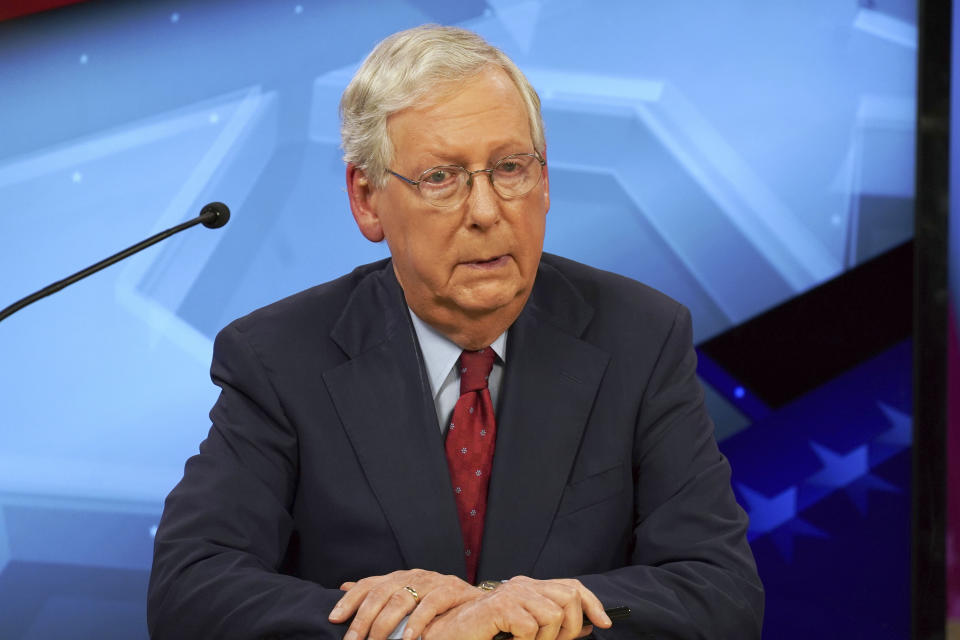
[480,256]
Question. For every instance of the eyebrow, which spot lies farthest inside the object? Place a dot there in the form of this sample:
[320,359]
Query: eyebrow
[499,152]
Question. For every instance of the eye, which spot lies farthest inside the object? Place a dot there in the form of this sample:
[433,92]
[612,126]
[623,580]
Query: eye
[510,166]
[438,176]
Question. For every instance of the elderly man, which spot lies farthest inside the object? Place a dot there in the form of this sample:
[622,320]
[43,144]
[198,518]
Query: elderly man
[469,410]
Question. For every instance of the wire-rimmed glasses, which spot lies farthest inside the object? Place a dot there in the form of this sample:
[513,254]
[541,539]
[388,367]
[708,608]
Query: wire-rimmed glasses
[448,185]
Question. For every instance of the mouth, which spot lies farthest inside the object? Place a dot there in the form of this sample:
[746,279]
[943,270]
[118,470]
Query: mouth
[489,263]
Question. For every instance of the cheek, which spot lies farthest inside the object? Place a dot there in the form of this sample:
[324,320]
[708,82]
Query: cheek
[531,236]
[430,252]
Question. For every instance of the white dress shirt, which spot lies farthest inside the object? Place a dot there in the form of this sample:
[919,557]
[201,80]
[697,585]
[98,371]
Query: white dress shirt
[440,356]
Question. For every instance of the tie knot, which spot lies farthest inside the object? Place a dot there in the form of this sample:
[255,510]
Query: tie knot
[475,367]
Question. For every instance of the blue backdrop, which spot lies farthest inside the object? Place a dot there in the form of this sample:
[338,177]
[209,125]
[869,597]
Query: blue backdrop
[730,154]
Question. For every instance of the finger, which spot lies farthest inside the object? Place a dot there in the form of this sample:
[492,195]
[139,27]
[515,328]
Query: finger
[585,631]
[348,603]
[568,599]
[356,592]
[378,598]
[400,604]
[478,619]
[572,622]
[565,595]
[547,613]
[589,603]
[549,616]
[563,592]
[518,621]
[451,592]
[431,606]
[592,607]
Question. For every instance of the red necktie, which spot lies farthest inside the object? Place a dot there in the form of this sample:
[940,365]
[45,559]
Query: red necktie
[469,446]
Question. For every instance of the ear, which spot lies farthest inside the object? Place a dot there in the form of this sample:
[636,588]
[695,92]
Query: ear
[360,192]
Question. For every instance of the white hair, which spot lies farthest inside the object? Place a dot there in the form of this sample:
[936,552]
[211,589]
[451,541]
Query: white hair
[399,71]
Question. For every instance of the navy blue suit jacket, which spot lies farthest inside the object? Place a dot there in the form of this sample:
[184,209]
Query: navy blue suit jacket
[325,463]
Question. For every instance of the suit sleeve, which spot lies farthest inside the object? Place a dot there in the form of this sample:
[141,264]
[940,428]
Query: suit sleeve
[220,544]
[692,574]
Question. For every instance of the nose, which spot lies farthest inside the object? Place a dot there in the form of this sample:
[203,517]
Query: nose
[483,203]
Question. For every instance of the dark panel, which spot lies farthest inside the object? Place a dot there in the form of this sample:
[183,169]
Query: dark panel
[930,365]
[799,345]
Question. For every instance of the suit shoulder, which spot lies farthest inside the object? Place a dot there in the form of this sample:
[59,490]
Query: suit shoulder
[627,319]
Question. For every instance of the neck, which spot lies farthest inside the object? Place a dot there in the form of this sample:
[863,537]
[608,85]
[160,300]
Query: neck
[471,332]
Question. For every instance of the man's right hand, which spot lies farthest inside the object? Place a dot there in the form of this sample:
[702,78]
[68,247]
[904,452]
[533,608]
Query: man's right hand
[529,609]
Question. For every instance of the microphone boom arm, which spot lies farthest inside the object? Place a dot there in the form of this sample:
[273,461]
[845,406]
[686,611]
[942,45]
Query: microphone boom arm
[213,216]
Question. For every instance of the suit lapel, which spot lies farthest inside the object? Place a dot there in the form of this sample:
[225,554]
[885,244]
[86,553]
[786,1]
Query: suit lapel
[383,399]
[550,384]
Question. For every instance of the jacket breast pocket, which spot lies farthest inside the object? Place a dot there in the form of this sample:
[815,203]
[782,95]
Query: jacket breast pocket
[594,489]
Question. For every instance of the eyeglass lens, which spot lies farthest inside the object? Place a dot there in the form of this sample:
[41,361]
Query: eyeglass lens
[512,177]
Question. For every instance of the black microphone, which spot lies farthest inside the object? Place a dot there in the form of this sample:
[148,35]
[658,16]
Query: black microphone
[212,216]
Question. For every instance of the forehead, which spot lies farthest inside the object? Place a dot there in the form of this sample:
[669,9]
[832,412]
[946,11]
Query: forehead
[464,120]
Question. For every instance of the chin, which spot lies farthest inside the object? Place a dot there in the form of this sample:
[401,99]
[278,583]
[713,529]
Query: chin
[485,301]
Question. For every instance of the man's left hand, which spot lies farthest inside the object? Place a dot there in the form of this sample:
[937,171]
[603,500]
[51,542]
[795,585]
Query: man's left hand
[379,603]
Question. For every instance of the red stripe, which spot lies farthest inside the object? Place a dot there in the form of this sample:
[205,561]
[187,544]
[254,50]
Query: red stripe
[953,462]
[10,10]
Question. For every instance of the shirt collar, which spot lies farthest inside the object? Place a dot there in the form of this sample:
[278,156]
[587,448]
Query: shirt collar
[440,354]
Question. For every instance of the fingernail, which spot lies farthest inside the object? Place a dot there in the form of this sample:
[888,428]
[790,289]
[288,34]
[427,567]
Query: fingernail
[337,610]
[351,635]
[606,619]
[408,634]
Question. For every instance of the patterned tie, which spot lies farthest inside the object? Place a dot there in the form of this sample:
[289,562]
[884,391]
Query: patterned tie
[469,447]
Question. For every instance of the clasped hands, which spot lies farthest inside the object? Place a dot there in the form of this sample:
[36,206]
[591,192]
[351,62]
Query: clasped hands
[450,608]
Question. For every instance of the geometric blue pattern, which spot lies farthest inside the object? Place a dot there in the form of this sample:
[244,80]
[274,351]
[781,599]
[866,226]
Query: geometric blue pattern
[850,472]
[728,155]
[826,483]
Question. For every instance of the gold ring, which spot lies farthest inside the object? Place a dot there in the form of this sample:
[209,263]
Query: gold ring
[413,592]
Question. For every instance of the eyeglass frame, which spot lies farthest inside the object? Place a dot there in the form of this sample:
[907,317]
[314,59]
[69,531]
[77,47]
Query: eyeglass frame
[416,183]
